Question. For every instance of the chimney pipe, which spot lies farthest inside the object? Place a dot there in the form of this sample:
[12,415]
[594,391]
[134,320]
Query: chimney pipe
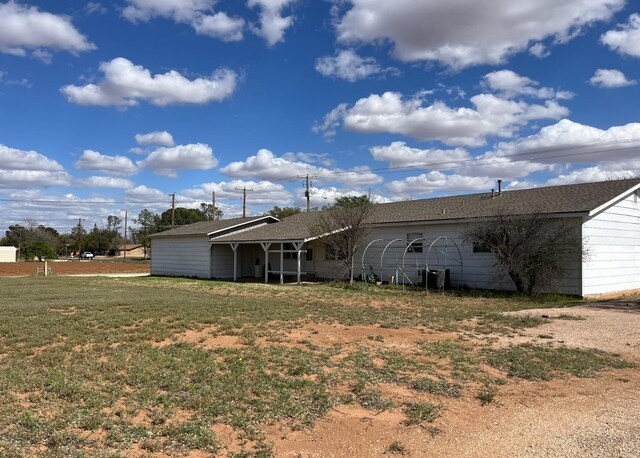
[499,187]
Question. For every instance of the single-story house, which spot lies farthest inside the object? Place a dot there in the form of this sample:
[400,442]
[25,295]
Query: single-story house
[407,236]
[131,250]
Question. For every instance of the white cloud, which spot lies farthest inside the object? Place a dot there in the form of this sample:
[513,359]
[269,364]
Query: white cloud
[602,172]
[262,192]
[24,28]
[570,142]
[17,179]
[626,38]
[125,84]
[266,165]
[331,122]
[143,194]
[539,50]
[106,182]
[400,155]
[326,196]
[116,165]
[509,84]
[165,161]
[15,159]
[272,23]
[312,158]
[391,113]
[462,33]
[95,8]
[348,65]
[610,79]
[192,12]
[159,138]
[426,183]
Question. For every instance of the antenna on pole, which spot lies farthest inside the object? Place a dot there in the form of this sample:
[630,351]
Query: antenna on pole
[308,184]
[244,200]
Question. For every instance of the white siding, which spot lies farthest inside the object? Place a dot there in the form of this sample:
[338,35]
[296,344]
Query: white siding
[477,269]
[612,238]
[8,254]
[181,257]
[222,262]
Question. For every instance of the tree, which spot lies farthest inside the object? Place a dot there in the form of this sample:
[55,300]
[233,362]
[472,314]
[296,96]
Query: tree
[281,213]
[148,223]
[344,226]
[183,216]
[36,250]
[531,249]
[209,215]
[78,233]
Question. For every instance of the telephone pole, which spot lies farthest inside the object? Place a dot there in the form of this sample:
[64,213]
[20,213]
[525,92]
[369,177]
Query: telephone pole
[173,210]
[244,200]
[125,235]
[307,192]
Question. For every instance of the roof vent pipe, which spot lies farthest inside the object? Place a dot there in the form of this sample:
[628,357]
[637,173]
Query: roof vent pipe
[499,187]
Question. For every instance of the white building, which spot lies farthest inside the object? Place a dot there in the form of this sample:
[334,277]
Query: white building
[8,254]
[608,214]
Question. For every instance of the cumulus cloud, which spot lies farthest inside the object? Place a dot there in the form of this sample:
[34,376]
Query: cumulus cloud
[166,160]
[348,65]
[17,179]
[196,13]
[15,159]
[391,113]
[462,33]
[106,182]
[272,23]
[509,84]
[150,198]
[427,183]
[399,154]
[570,142]
[601,172]
[266,165]
[312,158]
[116,165]
[125,84]
[158,138]
[263,192]
[610,79]
[625,39]
[24,29]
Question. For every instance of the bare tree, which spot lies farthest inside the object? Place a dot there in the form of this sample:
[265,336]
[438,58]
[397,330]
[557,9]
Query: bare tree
[532,249]
[344,228]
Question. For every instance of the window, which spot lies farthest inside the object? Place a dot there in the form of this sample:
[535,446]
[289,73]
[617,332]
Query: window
[480,248]
[285,255]
[332,253]
[416,247]
[309,255]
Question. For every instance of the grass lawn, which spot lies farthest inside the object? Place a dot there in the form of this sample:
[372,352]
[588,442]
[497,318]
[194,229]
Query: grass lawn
[124,367]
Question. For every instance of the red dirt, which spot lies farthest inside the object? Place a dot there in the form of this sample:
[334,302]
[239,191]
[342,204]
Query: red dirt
[12,269]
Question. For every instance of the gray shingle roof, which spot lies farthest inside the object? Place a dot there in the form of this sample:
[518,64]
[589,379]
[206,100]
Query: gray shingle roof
[566,199]
[576,198]
[295,227]
[208,227]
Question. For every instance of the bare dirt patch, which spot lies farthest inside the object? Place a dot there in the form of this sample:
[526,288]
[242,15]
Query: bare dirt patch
[14,269]
[612,329]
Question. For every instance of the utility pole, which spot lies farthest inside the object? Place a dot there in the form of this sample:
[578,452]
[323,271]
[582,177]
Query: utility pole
[213,199]
[173,210]
[244,200]
[125,235]
[307,192]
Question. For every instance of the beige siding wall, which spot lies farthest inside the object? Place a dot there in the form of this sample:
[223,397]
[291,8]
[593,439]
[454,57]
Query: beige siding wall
[181,257]
[7,254]
[613,241]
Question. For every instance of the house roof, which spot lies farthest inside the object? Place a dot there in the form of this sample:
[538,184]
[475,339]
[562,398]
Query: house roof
[565,199]
[552,200]
[211,227]
[295,227]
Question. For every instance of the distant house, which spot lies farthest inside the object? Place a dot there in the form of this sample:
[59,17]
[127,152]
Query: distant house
[131,251]
[409,236]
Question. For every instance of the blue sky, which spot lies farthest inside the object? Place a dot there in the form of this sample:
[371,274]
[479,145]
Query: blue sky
[112,106]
